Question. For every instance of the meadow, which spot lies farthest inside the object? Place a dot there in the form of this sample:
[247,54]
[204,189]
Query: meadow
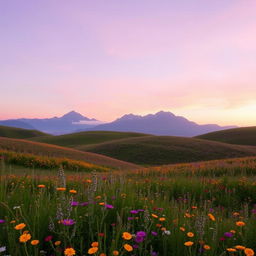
[204,208]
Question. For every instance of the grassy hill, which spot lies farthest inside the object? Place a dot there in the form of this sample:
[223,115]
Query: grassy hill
[74,140]
[18,133]
[46,150]
[159,150]
[240,136]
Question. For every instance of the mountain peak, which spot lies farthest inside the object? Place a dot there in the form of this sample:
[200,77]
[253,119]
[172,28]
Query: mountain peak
[74,116]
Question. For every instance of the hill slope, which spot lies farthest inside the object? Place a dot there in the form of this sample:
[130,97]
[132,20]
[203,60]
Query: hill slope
[158,150]
[85,138]
[240,136]
[18,133]
[43,149]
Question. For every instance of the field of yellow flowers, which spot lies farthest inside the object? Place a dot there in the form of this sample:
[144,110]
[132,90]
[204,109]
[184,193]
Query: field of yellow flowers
[187,209]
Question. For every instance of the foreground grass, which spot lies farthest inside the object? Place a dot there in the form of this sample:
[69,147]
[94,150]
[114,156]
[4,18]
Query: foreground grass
[187,209]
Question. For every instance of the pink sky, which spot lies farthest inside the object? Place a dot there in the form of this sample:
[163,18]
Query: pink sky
[109,58]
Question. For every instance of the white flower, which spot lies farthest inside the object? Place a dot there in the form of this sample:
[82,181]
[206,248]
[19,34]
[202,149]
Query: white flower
[16,207]
[167,232]
[3,249]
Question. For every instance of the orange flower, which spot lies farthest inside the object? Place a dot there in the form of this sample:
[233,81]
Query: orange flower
[207,247]
[240,247]
[240,223]
[161,219]
[41,186]
[72,191]
[20,226]
[69,252]
[25,237]
[231,250]
[154,215]
[115,253]
[249,252]
[61,189]
[188,243]
[93,250]
[127,236]
[35,242]
[57,243]
[190,234]
[128,248]
[95,244]
[211,217]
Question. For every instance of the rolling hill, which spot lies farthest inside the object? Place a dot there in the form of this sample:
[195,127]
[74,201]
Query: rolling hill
[159,150]
[19,133]
[43,149]
[240,136]
[74,140]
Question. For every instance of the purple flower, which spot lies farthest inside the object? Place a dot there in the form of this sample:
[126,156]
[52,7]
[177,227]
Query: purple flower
[74,203]
[228,234]
[153,233]
[68,222]
[133,211]
[84,204]
[253,211]
[141,233]
[2,221]
[139,239]
[154,253]
[135,246]
[109,206]
[140,210]
[130,218]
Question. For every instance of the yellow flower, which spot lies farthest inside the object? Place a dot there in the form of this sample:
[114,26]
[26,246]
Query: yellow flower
[240,247]
[95,244]
[127,236]
[61,189]
[240,223]
[115,253]
[211,217]
[128,248]
[93,250]
[35,242]
[41,186]
[25,237]
[190,234]
[207,247]
[249,252]
[72,191]
[188,243]
[231,250]
[69,252]
[57,243]
[20,226]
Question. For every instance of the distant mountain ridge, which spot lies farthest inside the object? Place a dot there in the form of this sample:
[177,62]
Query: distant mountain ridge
[162,123]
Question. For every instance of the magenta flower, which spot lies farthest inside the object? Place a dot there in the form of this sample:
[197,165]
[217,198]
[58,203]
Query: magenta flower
[109,206]
[141,233]
[228,234]
[133,211]
[153,233]
[48,238]
[2,221]
[74,203]
[68,222]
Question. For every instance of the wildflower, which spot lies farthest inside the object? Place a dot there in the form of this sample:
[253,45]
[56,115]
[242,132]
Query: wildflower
[88,181]
[72,191]
[127,236]
[13,221]
[182,229]
[20,226]
[101,234]
[115,253]
[57,243]
[188,243]
[228,234]
[153,233]
[207,247]
[154,215]
[93,250]
[128,248]
[41,186]
[161,219]
[240,223]
[2,221]
[109,206]
[232,231]
[231,250]
[211,217]
[68,222]
[167,232]
[25,237]
[35,242]
[95,244]
[74,203]
[240,247]
[249,252]
[69,252]
[48,238]
[141,233]
[61,189]
[133,211]
[3,249]
[103,254]
[190,234]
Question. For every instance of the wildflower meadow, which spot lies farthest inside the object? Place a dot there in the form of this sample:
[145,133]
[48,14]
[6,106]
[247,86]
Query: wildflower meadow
[187,209]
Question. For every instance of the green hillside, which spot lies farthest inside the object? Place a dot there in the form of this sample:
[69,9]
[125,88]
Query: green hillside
[53,151]
[18,133]
[158,150]
[240,136]
[74,140]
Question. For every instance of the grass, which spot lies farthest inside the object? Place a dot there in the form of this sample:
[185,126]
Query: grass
[211,204]
[240,136]
[74,140]
[18,133]
[159,150]
[52,151]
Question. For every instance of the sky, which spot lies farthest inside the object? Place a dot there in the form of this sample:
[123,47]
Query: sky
[107,58]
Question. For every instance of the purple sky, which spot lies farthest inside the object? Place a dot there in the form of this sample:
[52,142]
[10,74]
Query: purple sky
[106,58]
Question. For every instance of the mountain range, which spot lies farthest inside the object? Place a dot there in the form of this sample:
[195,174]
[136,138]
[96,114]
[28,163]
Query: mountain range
[161,123]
